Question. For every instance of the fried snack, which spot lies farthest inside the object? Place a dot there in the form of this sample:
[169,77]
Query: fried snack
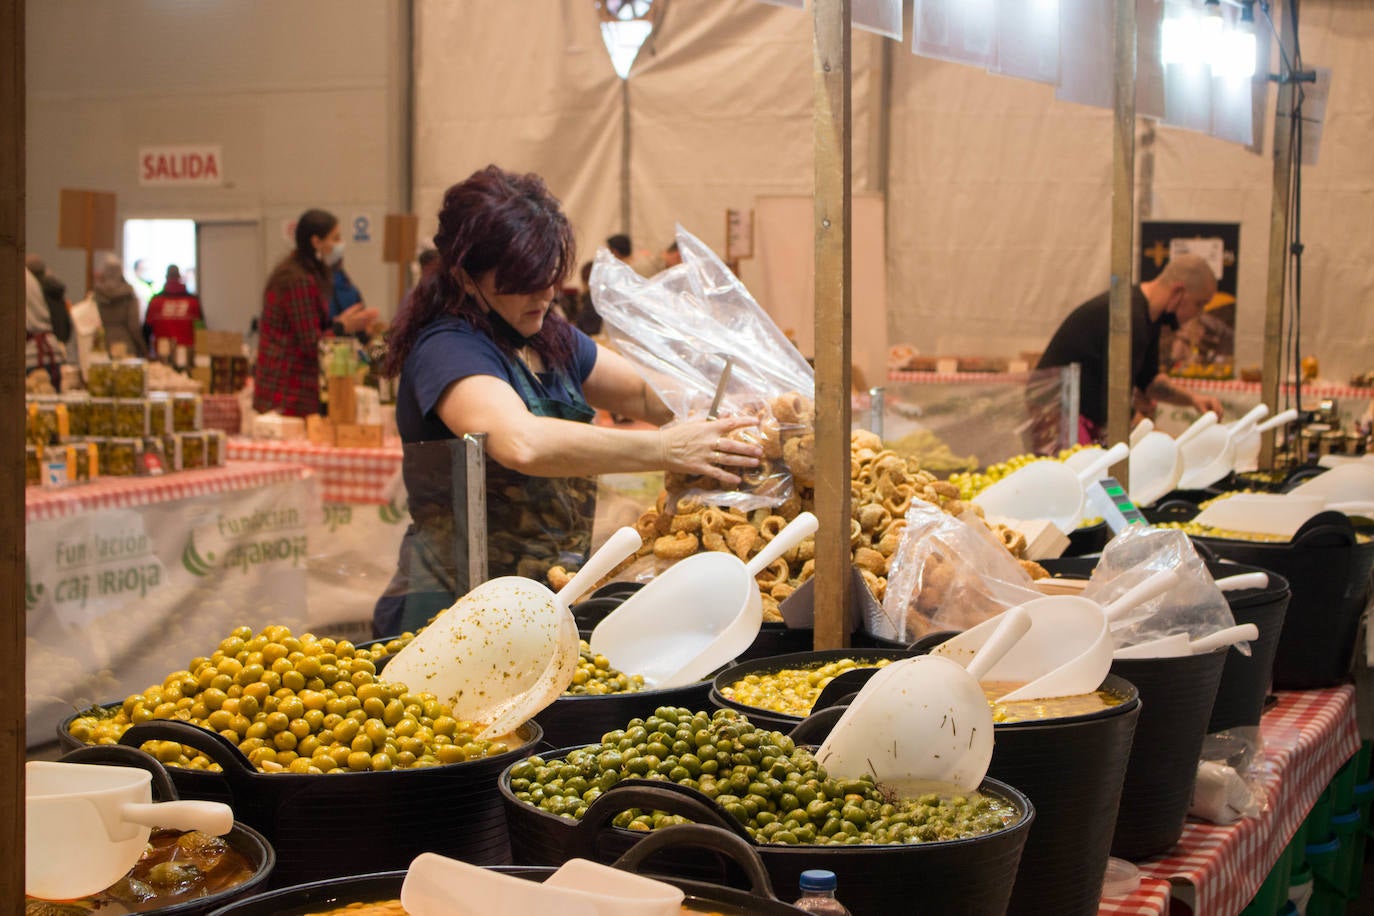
[743,539]
[558,577]
[676,546]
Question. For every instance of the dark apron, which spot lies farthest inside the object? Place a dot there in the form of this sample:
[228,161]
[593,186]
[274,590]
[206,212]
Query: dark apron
[533,523]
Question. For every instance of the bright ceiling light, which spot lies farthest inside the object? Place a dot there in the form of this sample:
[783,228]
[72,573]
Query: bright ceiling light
[1235,54]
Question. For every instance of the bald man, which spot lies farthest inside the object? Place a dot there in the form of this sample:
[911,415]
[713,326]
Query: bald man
[1177,296]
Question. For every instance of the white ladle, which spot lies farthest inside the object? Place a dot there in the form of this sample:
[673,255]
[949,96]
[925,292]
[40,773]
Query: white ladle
[1068,650]
[695,616]
[1248,444]
[922,723]
[506,649]
[1047,490]
[1180,644]
[436,885]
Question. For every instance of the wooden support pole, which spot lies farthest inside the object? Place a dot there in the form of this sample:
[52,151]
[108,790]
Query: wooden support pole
[1278,238]
[832,131]
[1119,402]
[12,467]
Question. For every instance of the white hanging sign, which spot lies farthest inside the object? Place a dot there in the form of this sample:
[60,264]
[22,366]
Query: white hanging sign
[199,165]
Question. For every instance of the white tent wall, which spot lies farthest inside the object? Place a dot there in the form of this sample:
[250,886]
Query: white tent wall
[526,85]
[305,98]
[1000,204]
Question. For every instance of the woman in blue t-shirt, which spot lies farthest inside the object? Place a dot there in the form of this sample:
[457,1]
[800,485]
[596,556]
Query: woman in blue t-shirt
[478,351]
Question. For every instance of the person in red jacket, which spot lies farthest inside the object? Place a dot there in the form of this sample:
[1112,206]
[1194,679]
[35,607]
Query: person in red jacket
[173,314]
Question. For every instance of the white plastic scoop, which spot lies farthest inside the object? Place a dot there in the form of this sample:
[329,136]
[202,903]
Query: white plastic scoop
[1211,455]
[695,616]
[1279,514]
[86,825]
[1047,490]
[1068,650]
[1248,444]
[1156,464]
[1349,483]
[922,723]
[506,649]
[439,886]
[1204,422]
[1179,644]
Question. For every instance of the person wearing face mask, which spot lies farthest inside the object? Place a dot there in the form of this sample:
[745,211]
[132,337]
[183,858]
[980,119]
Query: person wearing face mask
[295,315]
[477,350]
[1177,296]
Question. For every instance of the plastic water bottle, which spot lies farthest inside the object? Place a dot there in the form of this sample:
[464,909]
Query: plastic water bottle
[818,893]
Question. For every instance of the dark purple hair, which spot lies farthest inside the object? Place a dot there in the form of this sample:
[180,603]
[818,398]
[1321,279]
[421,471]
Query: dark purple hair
[493,221]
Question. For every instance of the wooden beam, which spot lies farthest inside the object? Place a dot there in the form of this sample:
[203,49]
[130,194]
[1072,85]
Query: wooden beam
[1123,228]
[1278,237]
[832,126]
[12,466]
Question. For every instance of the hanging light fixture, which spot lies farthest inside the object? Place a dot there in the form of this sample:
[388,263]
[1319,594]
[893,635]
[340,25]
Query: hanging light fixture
[1235,55]
[625,26]
[1210,28]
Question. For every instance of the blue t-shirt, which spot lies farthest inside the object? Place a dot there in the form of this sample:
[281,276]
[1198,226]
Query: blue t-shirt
[450,350]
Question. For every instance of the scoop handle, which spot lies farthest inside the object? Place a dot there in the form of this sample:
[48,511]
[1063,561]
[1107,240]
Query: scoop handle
[1277,420]
[1014,624]
[1108,458]
[1142,429]
[1244,632]
[796,531]
[1253,416]
[1243,581]
[210,817]
[618,546]
[1157,584]
[1201,423]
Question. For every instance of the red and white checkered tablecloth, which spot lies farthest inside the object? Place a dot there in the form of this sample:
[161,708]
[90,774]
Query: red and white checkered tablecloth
[965,378]
[221,411]
[347,475]
[1308,736]
[1200,384]
[131,492]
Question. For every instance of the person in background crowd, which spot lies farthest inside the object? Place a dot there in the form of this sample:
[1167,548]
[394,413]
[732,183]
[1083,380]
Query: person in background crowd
[142,285]
[119,310]
[671,256]
[1179,294]
[478,350]
[295,315]
[345,295]
[644,263]
[55,295]
[588,321]
[42,349]
[173,315]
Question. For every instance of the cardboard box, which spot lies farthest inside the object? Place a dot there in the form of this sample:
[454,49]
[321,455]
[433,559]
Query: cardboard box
[218,343]
[319,430]
[343,402]
[352,435]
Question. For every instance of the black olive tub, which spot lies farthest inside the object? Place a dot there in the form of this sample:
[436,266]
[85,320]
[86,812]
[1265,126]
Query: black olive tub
[760,899]
[334,824]
[971,876]
[246,841]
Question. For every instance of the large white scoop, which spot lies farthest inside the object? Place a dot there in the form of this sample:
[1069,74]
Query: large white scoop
[1047,490]
[506,649]
[922,723]
[1279,514]
[1068,650]
[1211,455]
[1349,483]
[86,825]
[439,886]
[698,614]
[1180,644]
[1248,443]
[1156,464]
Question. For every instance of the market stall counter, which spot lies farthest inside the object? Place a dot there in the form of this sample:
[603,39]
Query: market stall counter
[354,549]
[1308,735]
[125,575]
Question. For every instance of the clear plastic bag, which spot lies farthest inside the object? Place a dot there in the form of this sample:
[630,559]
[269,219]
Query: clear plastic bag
[947,574]
[1196,607]
[679,328]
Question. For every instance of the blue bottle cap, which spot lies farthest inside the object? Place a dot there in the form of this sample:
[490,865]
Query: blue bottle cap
[817,879]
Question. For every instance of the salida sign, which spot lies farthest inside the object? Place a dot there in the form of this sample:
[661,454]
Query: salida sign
[181,165]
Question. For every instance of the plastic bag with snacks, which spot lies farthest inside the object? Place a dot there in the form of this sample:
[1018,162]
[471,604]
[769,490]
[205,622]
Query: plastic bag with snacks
[1195,607]
[679,328]
[947,574]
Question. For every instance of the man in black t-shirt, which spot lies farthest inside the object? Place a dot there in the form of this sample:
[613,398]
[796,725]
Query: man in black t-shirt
[1180,292]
